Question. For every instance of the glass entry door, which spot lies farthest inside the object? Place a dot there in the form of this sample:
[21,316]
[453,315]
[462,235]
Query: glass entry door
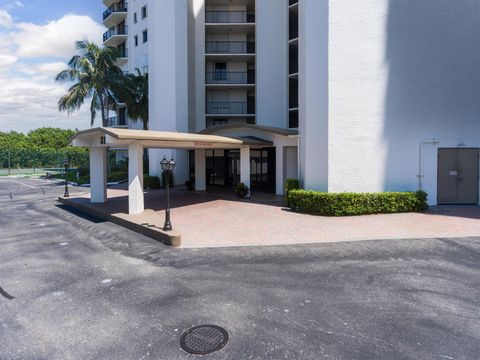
[262,169]
[223,168]
[233,168]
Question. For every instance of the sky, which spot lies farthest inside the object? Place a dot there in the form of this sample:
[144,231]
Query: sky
[36,41]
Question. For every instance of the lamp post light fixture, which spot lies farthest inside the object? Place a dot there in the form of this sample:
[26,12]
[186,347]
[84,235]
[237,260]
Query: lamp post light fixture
[66,163]
[168,166]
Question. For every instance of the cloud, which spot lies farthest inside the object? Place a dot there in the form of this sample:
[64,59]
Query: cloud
[30,56]
[30,103]
[56,38]
[47,69]
[7,60]
[6,20]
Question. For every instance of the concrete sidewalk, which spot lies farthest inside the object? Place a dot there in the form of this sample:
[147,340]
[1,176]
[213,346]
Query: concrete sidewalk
[211,220]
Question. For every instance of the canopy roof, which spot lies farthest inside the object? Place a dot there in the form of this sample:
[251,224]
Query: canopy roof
[118,138]
[259,128]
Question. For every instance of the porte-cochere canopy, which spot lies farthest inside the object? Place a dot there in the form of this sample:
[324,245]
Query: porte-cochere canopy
[242,138]
[118,138]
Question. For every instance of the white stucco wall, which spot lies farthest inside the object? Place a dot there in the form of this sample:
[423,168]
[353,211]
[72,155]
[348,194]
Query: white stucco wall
[168,77]
[272,62]
[137,55]
[198,7]
[313,94]
[400,72]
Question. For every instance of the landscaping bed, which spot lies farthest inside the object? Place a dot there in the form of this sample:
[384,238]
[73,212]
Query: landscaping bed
[350,204]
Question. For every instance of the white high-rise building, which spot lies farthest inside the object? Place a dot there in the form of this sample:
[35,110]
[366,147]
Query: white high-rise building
[366,96]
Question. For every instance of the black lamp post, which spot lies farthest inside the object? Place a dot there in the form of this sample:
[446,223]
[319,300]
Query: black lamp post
[66,163]
[167,167]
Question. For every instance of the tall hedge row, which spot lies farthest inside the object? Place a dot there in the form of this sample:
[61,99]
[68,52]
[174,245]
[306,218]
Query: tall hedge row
[349,204]
[43,158]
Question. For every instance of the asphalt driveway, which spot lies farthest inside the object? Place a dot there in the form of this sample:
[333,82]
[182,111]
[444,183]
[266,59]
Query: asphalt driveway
[84,289]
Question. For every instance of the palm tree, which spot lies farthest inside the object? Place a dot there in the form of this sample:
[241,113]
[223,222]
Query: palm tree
[95,74]
[134,93]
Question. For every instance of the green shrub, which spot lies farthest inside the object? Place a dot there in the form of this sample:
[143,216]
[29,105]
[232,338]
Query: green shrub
[119,167]
[84,170]
[348,204]
[291,184]
[151,182]
[241,190]
[117,176]
[72,177]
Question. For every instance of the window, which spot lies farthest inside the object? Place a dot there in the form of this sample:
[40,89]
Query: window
[220,71]
[144,12]
[135,20]
[145,36]
[135,40]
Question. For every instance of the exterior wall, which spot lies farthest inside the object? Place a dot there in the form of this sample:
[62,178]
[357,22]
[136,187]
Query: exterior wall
[137,55]
[272,62]
[313,94]
[168,74]
[199,51]
[400,72]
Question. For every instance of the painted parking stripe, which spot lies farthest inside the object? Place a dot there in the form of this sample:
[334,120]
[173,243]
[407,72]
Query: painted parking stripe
[19,183]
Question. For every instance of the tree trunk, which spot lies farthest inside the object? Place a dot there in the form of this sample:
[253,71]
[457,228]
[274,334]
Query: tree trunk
[102,103]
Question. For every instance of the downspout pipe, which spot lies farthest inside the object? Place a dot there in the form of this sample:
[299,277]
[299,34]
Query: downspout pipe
[420,175]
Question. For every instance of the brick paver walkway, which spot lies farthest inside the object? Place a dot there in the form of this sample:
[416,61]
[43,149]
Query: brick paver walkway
[207,220]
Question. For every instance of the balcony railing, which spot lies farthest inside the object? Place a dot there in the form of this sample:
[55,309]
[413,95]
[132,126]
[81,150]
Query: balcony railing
[230,77]
[116,121]
[230,47]
[229,17]
[115,31]
[229,108]
[119,7]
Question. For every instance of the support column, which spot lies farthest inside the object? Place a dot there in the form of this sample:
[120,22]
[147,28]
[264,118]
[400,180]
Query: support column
[135,179]
[98,175]
[200,170]
[279,169]
[245,166]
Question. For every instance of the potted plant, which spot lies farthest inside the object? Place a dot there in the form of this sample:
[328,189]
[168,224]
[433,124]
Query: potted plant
[242,190]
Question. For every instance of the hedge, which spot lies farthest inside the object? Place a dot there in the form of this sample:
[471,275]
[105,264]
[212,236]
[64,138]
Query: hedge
[151,182]
[43,158]
[291,184]
[349,204]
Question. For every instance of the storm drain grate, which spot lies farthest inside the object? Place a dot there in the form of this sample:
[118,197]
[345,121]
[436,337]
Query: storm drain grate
[204,339]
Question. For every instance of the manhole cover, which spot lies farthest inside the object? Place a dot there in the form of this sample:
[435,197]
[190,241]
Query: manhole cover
[204,339]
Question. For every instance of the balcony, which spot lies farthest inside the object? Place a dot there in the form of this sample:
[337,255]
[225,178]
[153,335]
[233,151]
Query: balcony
[122,55]
[230,108]
[115,36]
[230,47]
[117,122]
[109,3]
[115,14]
[230,78]
[229,17]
